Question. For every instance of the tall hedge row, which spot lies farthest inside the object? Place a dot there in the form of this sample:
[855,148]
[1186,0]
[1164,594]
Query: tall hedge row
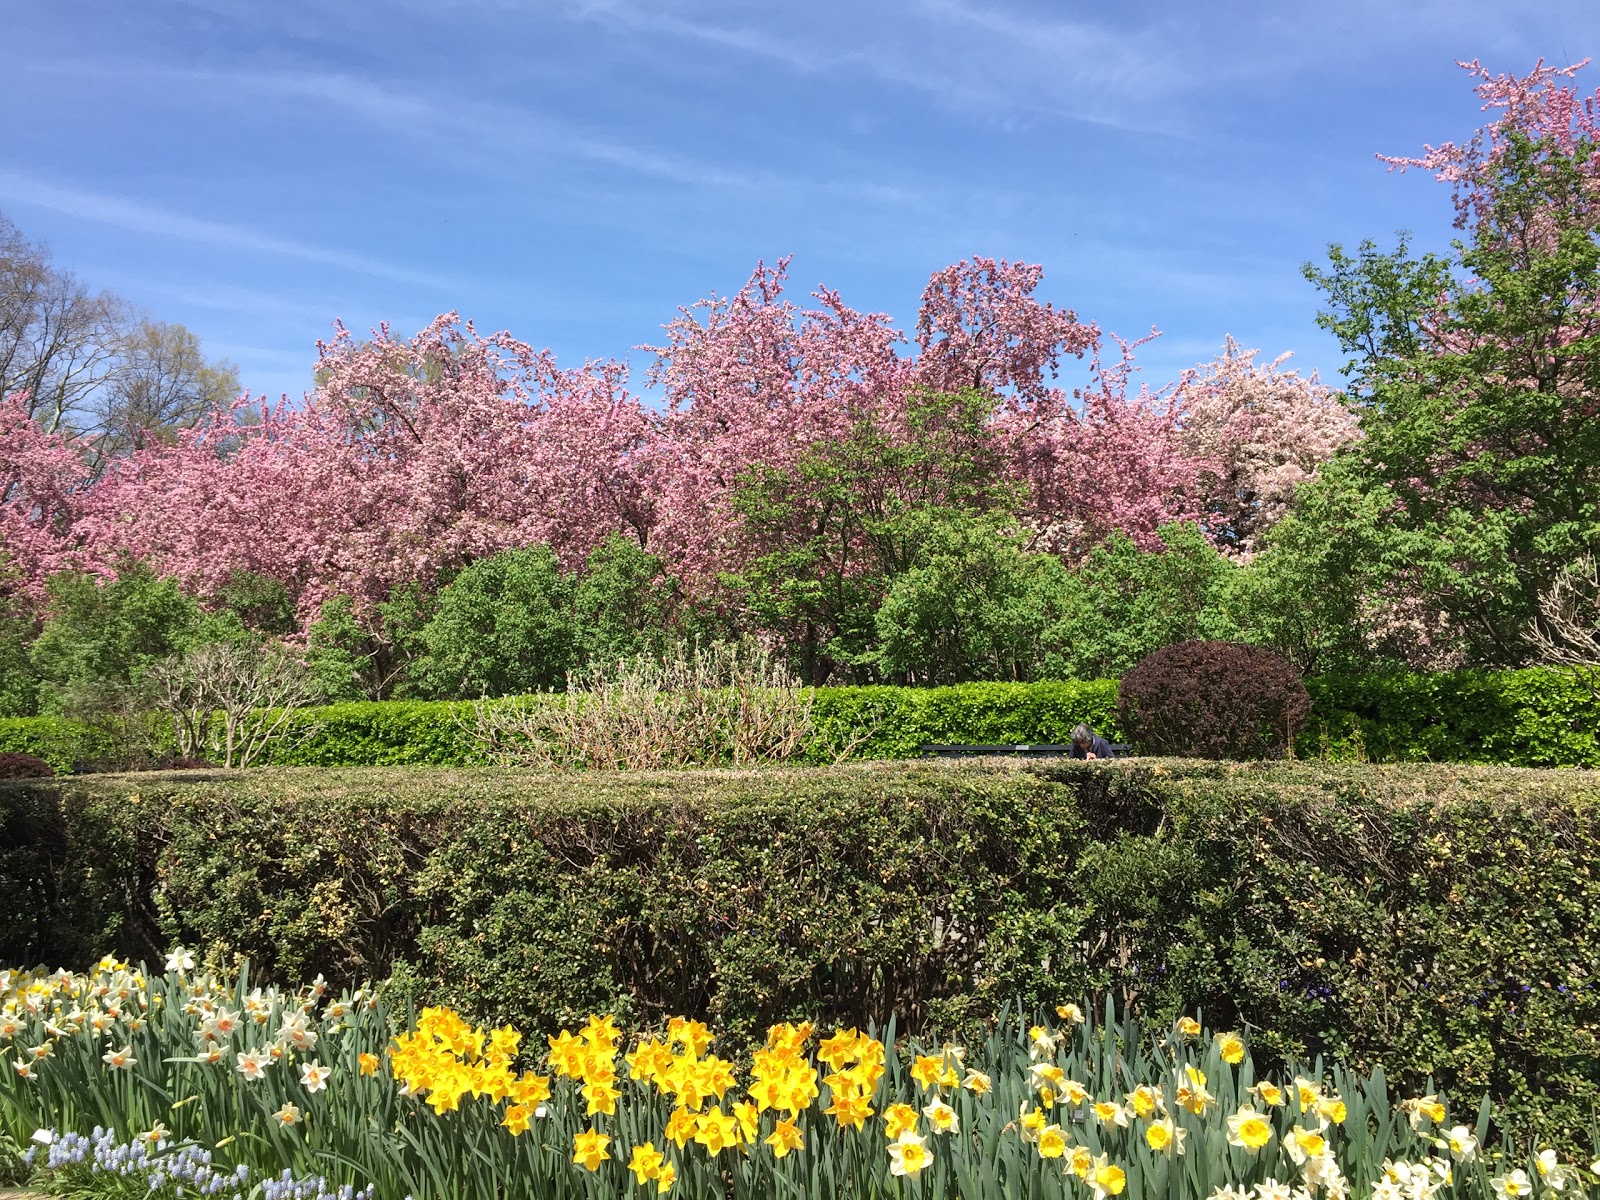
[1438,920]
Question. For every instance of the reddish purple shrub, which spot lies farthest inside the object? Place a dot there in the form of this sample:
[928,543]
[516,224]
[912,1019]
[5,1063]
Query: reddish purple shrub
[16,765]
[1213,700]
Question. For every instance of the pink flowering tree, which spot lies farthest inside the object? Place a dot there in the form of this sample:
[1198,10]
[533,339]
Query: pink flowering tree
[1256,432]
[1539,108]
[415,456]
[42,475]
[410,459]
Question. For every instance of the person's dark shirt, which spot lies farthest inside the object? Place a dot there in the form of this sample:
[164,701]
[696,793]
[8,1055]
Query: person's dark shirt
[1097,746]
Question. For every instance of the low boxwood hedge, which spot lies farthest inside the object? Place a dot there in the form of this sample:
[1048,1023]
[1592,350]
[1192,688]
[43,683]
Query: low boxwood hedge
[1534,717]
[1437,920]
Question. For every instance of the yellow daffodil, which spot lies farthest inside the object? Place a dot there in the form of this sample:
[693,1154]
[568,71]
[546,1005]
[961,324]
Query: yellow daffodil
[1165,1137]
[908,1155]
[646,1163]
[589,1149]
[785,1137]
[898,1118]
[1106,1179]
[941,1117]
[1231,1047]
[1248,1129]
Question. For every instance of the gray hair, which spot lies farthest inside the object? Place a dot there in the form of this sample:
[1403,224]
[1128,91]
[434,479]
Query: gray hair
[1082,733]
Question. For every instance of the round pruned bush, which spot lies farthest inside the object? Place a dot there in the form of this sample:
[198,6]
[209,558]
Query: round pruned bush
[1213,700]
[16,765]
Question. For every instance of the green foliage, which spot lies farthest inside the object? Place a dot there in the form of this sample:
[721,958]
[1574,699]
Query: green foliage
[1534,717]
[1378,300]
[1124,602]
[65,744]
[383,733]
[624,602]
[841,525]
[260,603]
[895,722]
[102,635]
[76,877]
[1434,919]
[504,626]
[353,658]
[1477,377]
[18,683]
[978,606]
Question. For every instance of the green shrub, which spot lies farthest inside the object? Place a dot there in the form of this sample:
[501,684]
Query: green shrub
[67,746]
[1535,717]
[1213,700]
[1435,920]
[891,722]
[979,606]
[504,625]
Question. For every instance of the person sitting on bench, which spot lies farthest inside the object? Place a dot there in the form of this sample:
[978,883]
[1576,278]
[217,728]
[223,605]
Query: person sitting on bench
[1087,744]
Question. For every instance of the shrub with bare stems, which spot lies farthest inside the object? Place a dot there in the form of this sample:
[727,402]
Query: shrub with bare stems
[230,701]
[724,703]
[1566,633]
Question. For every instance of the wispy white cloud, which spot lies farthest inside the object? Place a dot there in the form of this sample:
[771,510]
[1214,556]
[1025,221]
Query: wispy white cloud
[1078,71]
[122,212]
[480,130]
[655,19]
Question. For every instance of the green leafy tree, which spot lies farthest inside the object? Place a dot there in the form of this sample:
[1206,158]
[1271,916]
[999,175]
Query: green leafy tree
[1479,383]
[356,656]
[504,626]
[102,636]
[625,604]
[979,606]
[832,532]
[1124,603]
[19,624]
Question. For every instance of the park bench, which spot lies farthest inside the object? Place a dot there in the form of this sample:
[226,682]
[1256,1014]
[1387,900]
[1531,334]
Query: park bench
[1027,751]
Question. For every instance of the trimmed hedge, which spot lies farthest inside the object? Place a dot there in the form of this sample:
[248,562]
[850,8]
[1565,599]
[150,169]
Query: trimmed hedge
[67,746]
[875,722]
[1436,920]
[1534,717]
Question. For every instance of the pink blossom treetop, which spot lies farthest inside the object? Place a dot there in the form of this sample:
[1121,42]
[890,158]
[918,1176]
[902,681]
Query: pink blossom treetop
[410,459]
[1107,462]
[41,477]
[754,380]
[980,327]
[414,456]
[1537,105]
[1257,431]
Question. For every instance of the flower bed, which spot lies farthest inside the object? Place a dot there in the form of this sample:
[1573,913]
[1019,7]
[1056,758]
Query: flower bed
[187,1083]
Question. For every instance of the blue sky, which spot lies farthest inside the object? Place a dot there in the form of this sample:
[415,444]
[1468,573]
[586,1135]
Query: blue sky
[575,171]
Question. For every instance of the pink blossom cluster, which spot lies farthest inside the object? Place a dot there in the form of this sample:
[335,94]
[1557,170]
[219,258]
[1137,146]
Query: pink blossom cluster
[1537,105]
[1260,431]
[414,456]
